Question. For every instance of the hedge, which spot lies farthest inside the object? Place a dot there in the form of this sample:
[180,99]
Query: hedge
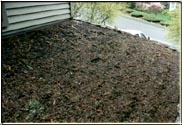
[151,18]
[136,14]
[129,10]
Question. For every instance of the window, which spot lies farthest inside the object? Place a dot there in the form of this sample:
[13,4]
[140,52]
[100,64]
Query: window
[4,17]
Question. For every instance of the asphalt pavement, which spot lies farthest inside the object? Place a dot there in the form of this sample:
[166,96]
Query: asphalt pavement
[154,31]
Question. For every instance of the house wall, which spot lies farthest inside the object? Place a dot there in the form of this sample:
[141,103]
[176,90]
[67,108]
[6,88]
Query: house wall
[24,16]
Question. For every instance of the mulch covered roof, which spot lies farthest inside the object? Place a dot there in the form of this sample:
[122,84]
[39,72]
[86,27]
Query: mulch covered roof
[78,72]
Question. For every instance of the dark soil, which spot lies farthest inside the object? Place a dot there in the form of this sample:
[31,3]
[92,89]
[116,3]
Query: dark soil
[79,72]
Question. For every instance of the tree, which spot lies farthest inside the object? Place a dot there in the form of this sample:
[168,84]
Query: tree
[155,7]
[77,6]
[97,12]
[131,5]
[174,27]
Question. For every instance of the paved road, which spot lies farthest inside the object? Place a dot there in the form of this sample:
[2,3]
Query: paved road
[155,32]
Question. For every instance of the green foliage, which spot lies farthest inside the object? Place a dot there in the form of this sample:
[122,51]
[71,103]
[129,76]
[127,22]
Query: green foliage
[166,5]
[34,108]
[136,14]
[151,18]
[76,7]
[163,18]
[140,9]
[165,23]
[131,5]
[97,12]
[129,10]
[174,27]
[55,40]
[165,12]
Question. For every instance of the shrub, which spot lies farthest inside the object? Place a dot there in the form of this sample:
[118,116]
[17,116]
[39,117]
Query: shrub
[166,5]
[155,7]
[136,14]
[165,12]
[165,23]
[142,5]
[129,10]
[131,5]
[174,29]
[151,18]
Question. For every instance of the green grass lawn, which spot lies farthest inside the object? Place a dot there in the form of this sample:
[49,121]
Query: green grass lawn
[162,18]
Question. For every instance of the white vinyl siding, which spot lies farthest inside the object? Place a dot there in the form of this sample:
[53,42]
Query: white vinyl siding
[35,16]
[10,5]
[4,17]
[35,9]
[22,15]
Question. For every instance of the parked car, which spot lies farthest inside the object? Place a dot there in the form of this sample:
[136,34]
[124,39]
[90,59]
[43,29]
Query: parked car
[136,33]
